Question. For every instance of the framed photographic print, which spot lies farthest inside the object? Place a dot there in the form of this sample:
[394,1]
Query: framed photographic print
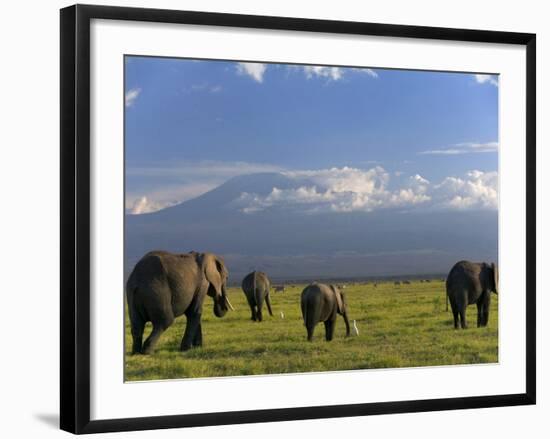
[305,218]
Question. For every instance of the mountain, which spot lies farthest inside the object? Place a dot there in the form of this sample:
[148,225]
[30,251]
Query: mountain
[223,196]
[290,242]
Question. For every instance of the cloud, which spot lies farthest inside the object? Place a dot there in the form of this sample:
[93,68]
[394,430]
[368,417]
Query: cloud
[254,70]
[131,96]
[464,148]
[476,190]
[340,190]
[487,79]
[334,73]
[193,169]
[350,189]
[207,87]
[368,72]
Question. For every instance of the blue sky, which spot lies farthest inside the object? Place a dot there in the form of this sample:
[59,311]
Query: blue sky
[190,125]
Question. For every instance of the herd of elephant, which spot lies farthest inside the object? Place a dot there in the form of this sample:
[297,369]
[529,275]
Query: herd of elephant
[164,285]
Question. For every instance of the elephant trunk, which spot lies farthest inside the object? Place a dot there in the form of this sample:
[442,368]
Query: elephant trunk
[219,308]
[220,303]
[346,321]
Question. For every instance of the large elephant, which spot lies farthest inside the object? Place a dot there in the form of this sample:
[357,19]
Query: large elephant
[323,303]
[256,286]
[166,285]
[468,283]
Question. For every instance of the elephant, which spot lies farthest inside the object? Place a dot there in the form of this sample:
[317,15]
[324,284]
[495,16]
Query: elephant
[163,286]
[322,303]
[256,286]
[468,283]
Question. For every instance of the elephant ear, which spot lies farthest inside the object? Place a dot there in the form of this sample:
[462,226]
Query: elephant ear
[494,268]
[339,301]
[213,270]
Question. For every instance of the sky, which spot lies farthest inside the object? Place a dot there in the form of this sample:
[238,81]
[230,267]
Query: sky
[362,138]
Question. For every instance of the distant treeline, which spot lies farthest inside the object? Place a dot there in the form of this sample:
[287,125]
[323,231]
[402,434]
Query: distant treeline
[234,281]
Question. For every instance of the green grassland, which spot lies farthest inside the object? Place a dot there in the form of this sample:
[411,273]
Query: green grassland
[399,326]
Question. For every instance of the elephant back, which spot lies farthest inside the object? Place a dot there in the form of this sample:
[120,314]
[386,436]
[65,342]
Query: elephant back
[466,276]
[148,269]
[179,271]
[254,280]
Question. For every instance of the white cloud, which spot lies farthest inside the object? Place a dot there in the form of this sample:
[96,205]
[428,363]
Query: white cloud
[476,190]
[131,96]
[341,190]
[369,72]
[351,189]
[194,170]
[334,73]
[254,70]
[330,73]
[207,87]
[464,148]
[487,79]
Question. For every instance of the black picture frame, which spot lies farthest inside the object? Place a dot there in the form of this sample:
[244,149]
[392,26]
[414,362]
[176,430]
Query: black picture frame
[75,217]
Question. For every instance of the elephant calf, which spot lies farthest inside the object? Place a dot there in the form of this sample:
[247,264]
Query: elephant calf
[322,303]
[468,283]
[165,285]
[256,286]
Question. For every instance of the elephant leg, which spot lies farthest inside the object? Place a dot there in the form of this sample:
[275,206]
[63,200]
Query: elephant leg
[455,317]
[138,325]
[253,312]
[310,330]
[158,328]
[258,295]
[479,315]
[485,316]
[486,304]
[462,314]
[330,325]
[259,315]
[193,323]
[252,306]
[197,341]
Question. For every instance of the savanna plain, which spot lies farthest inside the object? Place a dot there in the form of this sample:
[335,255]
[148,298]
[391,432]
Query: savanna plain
[399,326]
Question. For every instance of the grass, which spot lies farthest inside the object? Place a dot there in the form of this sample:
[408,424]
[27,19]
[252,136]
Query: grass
[399,326]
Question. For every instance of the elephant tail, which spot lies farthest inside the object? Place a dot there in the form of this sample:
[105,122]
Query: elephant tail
[258,293]
[254,287]
[311,310]
[131,291]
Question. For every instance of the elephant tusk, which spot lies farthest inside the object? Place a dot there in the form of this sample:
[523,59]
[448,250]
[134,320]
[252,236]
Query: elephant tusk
[229,303]
[355,328]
